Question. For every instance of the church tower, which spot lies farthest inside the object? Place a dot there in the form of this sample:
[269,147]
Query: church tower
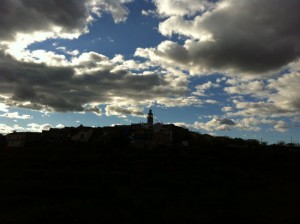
[150,118]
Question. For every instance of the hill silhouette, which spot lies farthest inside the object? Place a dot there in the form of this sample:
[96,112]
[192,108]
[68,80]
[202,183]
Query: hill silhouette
[210,181]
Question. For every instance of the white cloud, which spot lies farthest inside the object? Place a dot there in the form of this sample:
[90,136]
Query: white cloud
[69,52]
[281,126]
[178,101]
[3,107]
[60,126]
[15,115]
[245,124]
[148,12]
[211,101]
[286,92]
[5,129]
[254,123]
[203,88]
[278,97]
[256,88]
[227,109]
[44,57]
[178,25]
[249,124]
[181,7]
[260,108]
[33,127]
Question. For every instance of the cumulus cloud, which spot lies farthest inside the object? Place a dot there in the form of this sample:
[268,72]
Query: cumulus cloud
[69,52]
[87,81]
[114,110]
[24,22]
[68,16]
[5,129]
[15,115]
[211,101]
[181,7]
[281,126]
[286,91]
[49,81]
[256,88]
[178,101]
[225,121]
[275,97]
[216,124]
[31,16]
[254,123]
[3,107]
[249,124]
[245,124]
[235,36]
[33,127]
[227,109]
[60,126]
[203,88]
[261,108]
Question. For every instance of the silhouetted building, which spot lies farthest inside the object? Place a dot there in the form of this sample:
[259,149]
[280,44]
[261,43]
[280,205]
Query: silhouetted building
[116,135]
[58,136]
[2,141]
[140,135]
[82,134]
[21,139]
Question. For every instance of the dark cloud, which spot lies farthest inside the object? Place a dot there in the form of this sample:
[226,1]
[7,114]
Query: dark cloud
[254,35]
[34,15]
[226,121]
[218,124]
[38,86]
[251,36]
[71,16]
[123,111]
[81,83]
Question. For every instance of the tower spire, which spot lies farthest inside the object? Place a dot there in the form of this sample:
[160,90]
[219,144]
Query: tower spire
[150,118]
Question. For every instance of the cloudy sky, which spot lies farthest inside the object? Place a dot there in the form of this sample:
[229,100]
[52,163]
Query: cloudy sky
[222,67]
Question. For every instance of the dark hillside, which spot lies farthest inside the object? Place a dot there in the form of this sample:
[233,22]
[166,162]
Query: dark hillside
[147,186]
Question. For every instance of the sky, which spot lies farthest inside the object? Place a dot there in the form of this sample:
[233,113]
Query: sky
[221,67]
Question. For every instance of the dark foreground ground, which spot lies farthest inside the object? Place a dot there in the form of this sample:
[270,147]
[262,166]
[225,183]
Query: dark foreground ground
[149,186]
